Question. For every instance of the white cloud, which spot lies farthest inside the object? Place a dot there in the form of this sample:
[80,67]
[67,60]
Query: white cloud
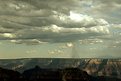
[56,51]
[91,41]
[28,42]
[54,33]
[69,44]
[51,21]
[35,22]
[7,35]
[116,26]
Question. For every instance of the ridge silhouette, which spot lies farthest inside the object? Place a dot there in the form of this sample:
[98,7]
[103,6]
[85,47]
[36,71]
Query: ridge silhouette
[40,74]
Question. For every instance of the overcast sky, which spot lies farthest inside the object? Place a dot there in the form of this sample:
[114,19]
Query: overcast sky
[60,28]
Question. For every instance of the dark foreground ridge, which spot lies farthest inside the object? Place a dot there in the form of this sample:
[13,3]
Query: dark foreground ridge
[39,74]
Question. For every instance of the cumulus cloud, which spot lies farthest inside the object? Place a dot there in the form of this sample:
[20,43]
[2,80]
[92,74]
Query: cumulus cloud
[107,4]
[106,9]
[53,33]
[95,24]
[69,44]
[56,51]
[91,41]
[5,36]
[28,42]
[116,26]
[28,21]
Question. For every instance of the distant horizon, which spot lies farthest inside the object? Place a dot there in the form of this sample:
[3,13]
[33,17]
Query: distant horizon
[55,58]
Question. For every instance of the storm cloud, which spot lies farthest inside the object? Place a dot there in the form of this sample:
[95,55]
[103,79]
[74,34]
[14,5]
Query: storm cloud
[94,26]
[48,21]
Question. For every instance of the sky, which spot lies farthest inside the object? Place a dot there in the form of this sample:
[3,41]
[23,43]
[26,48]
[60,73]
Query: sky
[60,29]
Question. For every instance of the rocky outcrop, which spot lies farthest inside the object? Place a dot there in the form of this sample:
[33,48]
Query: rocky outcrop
[104,67]
[74,74]
[95,67]
[39,74]
[9,75]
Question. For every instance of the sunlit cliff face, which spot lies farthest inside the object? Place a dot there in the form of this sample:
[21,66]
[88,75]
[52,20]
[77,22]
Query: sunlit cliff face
[54,28]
